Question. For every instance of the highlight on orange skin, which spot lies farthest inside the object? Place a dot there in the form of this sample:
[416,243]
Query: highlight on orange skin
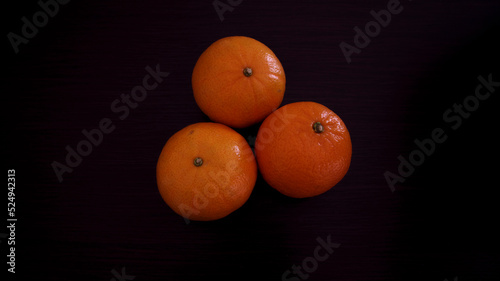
[206,171]
[303,149]
[238,81]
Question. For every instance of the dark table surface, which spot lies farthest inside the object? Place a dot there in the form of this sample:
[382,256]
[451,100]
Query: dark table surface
[105,219]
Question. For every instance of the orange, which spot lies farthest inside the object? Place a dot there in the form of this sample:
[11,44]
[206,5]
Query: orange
[206,171]
[238,81]
[303,149]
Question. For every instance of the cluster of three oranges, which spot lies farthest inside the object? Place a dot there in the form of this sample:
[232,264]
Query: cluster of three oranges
[208,170]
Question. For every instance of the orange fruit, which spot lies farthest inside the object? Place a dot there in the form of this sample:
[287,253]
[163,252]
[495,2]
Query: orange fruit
[206,171]
[238,81]
[303,149]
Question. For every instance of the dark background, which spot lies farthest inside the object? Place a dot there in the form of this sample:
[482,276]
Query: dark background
[107,214]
